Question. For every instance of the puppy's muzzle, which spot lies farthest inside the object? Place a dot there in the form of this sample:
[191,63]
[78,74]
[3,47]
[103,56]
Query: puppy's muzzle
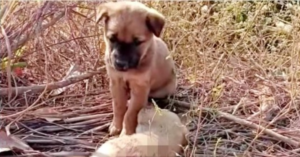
[121,65]
[124,62]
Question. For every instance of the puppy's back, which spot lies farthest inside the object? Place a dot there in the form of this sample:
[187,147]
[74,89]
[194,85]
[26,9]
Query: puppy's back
[164,67]
[157,134]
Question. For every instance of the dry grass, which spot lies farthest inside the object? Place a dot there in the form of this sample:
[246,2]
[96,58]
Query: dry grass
[240,58]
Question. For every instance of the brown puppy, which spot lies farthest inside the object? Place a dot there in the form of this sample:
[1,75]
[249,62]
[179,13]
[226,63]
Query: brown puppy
[158,134]
[136,60]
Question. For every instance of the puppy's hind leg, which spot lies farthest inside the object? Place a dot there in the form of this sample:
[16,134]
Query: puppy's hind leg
[168,89]
[161,96]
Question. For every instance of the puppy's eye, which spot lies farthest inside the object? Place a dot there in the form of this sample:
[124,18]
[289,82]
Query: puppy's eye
[113,38]
[137,42]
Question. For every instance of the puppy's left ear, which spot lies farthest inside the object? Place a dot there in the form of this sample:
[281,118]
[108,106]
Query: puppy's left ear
[155,22]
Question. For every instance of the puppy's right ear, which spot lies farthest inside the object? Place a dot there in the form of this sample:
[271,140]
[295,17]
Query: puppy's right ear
[101,12]
[155,22]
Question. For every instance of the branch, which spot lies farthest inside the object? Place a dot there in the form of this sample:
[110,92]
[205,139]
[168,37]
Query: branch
[183,104]
[56,154]
[238,120]
[51,86]
[267,131]
[22,40]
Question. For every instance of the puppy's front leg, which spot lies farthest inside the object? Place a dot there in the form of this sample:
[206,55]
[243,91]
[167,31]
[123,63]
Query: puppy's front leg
[119,98]
[139,97]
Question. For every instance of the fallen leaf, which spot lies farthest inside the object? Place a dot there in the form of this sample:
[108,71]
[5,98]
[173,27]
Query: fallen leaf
[12,143]
[48,113]
[49,119]
[287,28]
[73,71]
[18,71]
[4,150]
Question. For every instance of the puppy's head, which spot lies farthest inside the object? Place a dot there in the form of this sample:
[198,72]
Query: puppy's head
[129,29]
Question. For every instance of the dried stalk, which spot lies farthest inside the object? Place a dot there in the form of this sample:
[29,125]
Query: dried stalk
[25,38]
[50,86]
[238,120]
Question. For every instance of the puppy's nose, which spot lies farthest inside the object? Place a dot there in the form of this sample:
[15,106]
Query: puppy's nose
[121,64]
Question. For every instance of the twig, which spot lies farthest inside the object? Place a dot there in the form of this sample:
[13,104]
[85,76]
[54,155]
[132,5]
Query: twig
[197,134]
[236,107]
[248,124]
[8,66]
[24,38]
[183,104]
[50,86]
[59,128]
[57,140]
[70,154]
[2,11]
[82,118]
[27,109]
[54,154]
[257,127]
[89,122]
[244,122]
[99,128]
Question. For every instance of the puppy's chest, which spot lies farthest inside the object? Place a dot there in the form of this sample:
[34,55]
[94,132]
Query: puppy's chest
[133,78]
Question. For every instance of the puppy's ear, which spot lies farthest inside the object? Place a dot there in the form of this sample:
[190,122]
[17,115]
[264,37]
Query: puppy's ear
[155,22]
[101,12]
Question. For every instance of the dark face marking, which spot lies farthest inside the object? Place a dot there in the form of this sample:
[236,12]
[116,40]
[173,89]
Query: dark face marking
[126,54]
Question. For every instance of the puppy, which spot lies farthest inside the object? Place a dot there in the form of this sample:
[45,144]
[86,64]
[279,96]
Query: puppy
[136,59]
[157,135]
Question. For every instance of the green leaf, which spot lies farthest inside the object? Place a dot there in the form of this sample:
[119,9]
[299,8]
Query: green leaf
[19,65]
[241,17]
[4,63]
[20,51]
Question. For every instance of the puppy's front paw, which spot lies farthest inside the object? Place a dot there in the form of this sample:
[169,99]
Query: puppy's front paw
[126,132]
[113,130]
[123,132]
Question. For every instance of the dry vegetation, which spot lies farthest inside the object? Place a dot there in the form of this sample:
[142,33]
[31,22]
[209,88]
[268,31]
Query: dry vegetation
[238,62]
